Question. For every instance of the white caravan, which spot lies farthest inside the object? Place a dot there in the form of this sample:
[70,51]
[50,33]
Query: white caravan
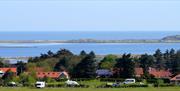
[40,84]
[72,83]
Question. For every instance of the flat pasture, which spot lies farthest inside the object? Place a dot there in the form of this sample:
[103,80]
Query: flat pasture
[91,89]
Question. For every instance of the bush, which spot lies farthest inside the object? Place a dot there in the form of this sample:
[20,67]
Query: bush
[111,80]
[123,86]
[152,80]
[82,79]
[159,82]
[28,85]
[134,85]
[54,85]
[164,85]
[60,85]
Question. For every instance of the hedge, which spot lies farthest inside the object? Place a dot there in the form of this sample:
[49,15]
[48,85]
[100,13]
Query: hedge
[124,86]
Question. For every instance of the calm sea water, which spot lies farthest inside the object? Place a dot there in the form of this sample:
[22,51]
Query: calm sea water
[86,34]
[12,50]
[34,49]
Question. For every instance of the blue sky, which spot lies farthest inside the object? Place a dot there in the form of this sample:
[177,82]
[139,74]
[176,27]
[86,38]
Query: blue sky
[86,15]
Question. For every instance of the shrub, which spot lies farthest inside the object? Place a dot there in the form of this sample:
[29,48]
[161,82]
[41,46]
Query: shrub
[164,85]
[123,86]
[159,82]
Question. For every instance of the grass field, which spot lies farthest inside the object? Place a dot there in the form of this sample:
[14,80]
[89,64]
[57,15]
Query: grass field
[92,89]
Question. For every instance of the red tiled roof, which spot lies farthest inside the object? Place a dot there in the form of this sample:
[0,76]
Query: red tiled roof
[6,69]
[176,78]
[160,73]
[51,74]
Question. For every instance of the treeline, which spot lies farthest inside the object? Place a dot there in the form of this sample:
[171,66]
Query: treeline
[84,65]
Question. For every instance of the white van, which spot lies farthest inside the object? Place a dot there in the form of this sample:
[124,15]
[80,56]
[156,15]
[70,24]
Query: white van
[12,84]
[129,81]
[40,84]
[71,83]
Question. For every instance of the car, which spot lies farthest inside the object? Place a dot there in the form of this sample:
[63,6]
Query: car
[129,81]
[112,84]
[12,84]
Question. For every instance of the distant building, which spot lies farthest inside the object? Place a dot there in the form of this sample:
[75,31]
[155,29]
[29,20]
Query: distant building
[176,79]
[139,72]
[42,73]
[160,73]
[54,75]
[154,72]
[104,73]
[4,70]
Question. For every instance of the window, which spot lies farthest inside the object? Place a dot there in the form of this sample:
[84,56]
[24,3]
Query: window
[177,77]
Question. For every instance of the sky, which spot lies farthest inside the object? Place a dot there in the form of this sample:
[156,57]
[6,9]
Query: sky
[89,15]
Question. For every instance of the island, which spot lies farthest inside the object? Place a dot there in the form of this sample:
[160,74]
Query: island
[167,39]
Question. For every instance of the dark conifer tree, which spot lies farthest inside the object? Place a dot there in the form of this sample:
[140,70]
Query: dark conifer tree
[21,67]
[62,64]
[86,68]
[92,54]
[176,64]
[160,63]
[146,61]
[125,66]
[83,53]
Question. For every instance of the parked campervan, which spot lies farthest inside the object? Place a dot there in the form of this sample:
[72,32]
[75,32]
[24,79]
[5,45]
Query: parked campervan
[71,83]
[40,84]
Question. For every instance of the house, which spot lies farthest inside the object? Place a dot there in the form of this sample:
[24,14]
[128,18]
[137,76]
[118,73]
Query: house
[54,75]
[103,73]
[42,73]
[4,70]
[160,73]
[176,79]
[154,72]
[139,72]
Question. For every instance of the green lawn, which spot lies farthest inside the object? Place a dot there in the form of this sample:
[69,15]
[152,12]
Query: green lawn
[91,89]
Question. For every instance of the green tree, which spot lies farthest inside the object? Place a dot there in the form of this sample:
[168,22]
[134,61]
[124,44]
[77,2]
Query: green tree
[126,66]
[1,64]
[167,59]
[62,64]
[86,68]
[50,53]
[43,56]
[28,78]
[160,63]
[146,61]
[63,53]
[83,53]
[108,62]
[92,54]
[23,78]
[48,79]
[172,55]
[176,64]
[21,67]
[8,77]
[30,66]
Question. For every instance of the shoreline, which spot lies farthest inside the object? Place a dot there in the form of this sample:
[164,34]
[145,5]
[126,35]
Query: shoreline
[87,41]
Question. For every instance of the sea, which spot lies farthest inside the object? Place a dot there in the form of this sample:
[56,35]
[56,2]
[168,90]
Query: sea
[36,49]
